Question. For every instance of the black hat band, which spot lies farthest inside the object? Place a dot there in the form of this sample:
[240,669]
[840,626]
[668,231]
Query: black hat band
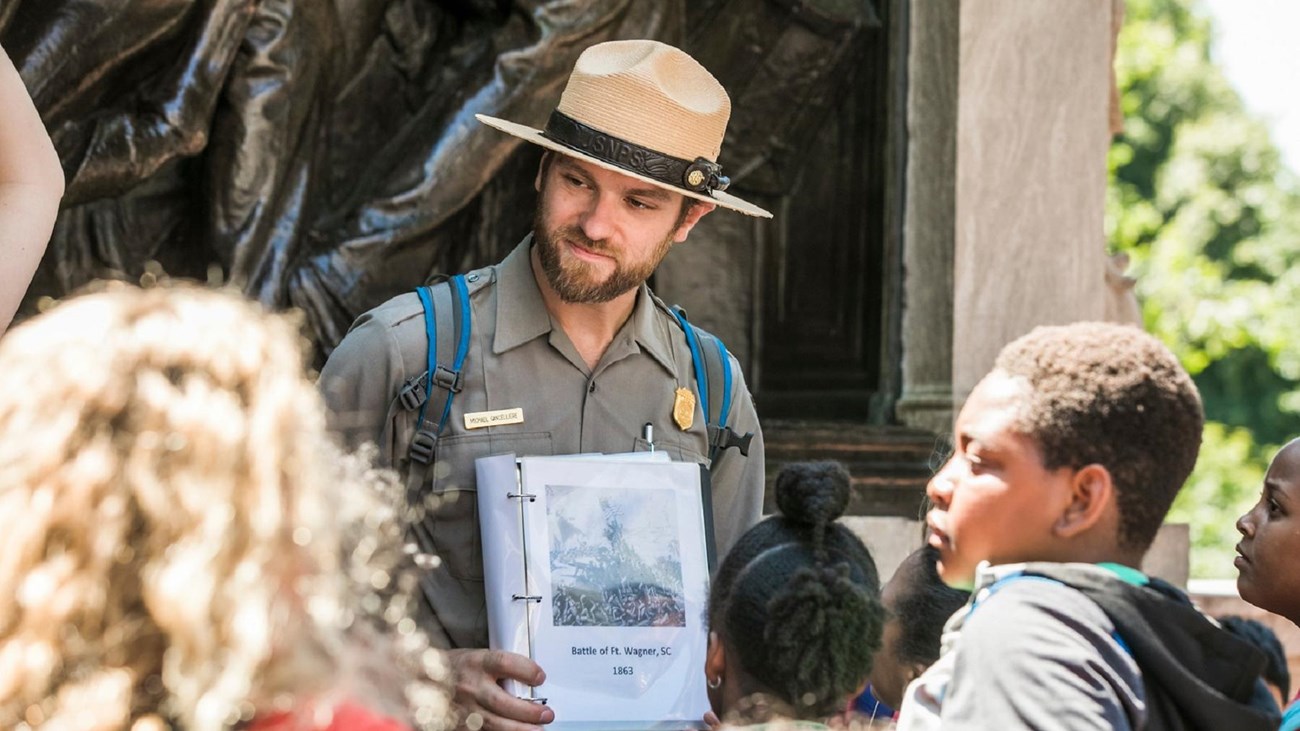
[699,176]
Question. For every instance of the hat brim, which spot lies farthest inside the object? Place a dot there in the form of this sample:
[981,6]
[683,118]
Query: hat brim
[529,134]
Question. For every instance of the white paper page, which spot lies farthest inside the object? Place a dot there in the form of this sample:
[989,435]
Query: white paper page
[623,577]
[503,557]
[647,456]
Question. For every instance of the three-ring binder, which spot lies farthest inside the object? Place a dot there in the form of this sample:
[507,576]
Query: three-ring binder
[541,521]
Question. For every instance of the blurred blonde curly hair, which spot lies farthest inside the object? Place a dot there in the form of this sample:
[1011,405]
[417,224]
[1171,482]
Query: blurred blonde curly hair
[183,541]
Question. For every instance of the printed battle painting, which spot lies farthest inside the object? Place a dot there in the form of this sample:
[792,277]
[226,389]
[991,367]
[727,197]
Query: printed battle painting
[615,558]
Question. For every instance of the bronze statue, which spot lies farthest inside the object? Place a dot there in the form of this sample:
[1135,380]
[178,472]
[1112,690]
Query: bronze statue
[322,153]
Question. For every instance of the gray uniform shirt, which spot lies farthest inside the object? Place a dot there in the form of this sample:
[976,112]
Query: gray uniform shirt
[1035,654]
[519,358]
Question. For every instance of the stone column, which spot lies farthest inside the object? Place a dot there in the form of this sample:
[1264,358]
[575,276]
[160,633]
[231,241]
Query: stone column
[1032,134]
[929,223]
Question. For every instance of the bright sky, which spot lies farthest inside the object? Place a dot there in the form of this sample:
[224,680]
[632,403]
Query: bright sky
[1256,45]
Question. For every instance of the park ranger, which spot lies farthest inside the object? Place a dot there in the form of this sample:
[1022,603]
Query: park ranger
[567,349]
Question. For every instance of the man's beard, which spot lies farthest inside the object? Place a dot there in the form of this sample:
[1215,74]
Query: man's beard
[576,283]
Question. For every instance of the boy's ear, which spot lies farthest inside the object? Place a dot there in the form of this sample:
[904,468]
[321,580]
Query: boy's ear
[1092,495]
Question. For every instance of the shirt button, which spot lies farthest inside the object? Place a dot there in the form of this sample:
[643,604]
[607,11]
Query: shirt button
[591,387]
[472,278]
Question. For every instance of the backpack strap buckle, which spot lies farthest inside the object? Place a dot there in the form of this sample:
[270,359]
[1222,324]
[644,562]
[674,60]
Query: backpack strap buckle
[414,393]
[423,446]
[446,379]
[723,438]
[446,324]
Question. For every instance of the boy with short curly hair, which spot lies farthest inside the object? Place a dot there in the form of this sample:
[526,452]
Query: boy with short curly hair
[1067,457]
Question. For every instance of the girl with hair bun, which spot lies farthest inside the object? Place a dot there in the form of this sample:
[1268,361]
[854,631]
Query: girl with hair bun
[794,612]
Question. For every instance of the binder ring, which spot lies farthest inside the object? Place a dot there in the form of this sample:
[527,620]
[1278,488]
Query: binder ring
[526,597]
[532,498]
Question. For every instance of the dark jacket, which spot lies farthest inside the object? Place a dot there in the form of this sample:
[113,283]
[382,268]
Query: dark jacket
[1195,675]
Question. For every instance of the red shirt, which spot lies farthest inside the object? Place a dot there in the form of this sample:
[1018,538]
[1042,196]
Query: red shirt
[347,717]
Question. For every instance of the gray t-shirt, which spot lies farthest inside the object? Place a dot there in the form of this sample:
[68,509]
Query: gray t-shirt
[1030,653]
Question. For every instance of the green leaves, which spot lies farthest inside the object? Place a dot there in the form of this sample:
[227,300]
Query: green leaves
[1225,484]
[1200,201]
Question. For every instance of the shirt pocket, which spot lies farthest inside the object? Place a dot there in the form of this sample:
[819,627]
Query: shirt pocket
[452,504]
[678,450]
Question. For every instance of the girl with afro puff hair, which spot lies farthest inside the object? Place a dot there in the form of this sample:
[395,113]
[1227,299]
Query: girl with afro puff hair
[794,612]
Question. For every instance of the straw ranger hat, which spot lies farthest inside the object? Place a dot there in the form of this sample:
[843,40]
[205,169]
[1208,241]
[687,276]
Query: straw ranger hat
[647,110]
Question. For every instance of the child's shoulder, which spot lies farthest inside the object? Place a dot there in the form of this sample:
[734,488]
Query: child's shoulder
[1031,589]
[1054,587]
[1026,649]
[1026,612]
[1032,581]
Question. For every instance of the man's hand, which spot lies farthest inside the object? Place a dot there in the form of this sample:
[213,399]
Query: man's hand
[480,697]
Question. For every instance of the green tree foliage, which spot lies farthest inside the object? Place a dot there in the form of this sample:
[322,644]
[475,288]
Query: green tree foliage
[1201,202]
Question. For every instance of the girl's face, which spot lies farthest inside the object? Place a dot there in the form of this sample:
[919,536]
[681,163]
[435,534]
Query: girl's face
[1270,543]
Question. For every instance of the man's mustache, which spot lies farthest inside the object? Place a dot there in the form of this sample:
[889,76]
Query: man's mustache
[574,234]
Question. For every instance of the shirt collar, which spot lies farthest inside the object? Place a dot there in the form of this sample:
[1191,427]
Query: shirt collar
[652,329]
[987,574]
[522,314]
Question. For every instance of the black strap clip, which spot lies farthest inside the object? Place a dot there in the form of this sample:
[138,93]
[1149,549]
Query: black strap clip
[721,439]
[413,393]
[423,445]
[446,379]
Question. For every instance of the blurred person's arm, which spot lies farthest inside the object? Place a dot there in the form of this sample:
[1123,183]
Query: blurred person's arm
[31,185]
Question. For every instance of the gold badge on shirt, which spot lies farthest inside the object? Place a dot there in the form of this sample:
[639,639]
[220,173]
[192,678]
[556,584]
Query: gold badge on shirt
[684,408]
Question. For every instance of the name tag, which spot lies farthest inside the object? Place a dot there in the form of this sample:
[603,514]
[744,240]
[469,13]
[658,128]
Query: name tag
[480,419]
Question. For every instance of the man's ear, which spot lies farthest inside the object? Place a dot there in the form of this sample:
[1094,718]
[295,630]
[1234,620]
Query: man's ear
[542,167]
[1092,495]
[697,210]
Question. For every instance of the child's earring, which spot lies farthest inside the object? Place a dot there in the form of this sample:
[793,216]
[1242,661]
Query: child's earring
[715,682]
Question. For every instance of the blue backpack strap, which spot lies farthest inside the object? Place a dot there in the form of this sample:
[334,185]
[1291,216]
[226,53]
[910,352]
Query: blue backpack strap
[431,350]
[713,380]
[447,326]
[1001,584]
[697,359]
[721,361]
